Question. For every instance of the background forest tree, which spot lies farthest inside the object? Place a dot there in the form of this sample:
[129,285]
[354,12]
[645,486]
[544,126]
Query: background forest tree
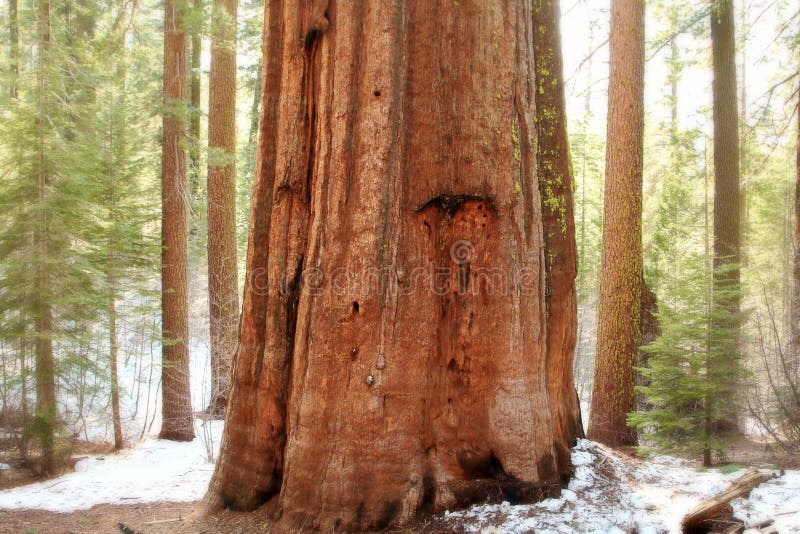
[96,121]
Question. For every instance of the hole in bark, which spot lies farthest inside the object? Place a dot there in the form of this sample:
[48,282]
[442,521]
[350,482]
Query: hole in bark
[377,92]
[450,204]
[479,464]
[355,306]
[354,353]
[310,38]
[487,481]
[451,366]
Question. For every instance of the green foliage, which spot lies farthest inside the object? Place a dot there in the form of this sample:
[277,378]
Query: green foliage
[588,152]
[730,468]
[691,367]
[77,174]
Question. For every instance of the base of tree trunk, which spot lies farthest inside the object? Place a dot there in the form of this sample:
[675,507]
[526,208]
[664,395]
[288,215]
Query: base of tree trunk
[216,408]
[176,435]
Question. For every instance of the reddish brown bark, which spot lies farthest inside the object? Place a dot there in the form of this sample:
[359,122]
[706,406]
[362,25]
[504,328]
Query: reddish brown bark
[558,222]
[619,307]
[223,295]
[396,143]
[177,422]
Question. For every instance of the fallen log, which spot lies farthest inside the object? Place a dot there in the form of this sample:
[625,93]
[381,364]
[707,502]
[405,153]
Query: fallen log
[715,514]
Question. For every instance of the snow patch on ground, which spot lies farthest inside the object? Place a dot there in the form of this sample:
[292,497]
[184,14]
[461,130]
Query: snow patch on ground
[610,492]
[154,470]
[613,493]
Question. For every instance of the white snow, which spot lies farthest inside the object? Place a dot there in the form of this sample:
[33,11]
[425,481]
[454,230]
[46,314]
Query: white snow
[154,470]
[612,493]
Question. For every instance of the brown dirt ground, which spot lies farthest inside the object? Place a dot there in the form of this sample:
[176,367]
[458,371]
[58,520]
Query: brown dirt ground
[150,518]
[170,517]
[163,518]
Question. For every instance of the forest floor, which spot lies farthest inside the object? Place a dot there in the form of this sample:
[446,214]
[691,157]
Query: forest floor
[153,487]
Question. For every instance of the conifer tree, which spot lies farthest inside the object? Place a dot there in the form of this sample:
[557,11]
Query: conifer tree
[128,256]
[681,383]
[194,92]
[177,423]
[48,188]
[619,320]
[558,220]
[727,232]
[223,296]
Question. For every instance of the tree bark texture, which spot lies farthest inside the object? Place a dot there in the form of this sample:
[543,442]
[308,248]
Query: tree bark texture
[726,144]
[558,222]
[392,345]
[194,95]
[177,421]
[727,232]
[795,305]
[223,294]
[45,419]
[114,349]
[619,307]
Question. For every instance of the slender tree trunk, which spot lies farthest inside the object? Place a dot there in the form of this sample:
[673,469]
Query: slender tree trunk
[177,422]
[253,132]
[727,204]
[558,222]
[743,129]
[13,52]
[194,89]
[619,307]
[392,352]
[45,367]
[223,295]
[795,304]
[113,347]
[22,443]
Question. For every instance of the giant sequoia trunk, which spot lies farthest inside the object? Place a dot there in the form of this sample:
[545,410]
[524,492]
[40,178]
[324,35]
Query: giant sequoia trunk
[619,306]
[392,347]
[223,293]
[558,221]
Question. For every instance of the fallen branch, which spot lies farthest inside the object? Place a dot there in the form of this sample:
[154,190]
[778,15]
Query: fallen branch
[709,514]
